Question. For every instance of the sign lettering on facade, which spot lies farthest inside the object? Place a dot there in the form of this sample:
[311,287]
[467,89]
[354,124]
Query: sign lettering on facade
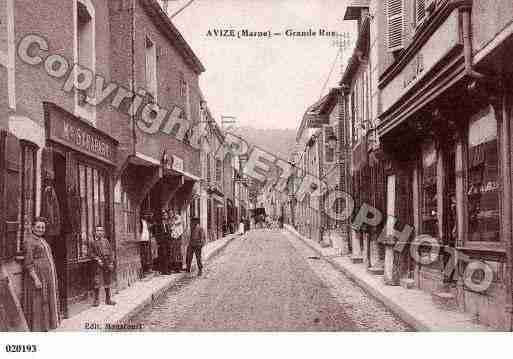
[85,140]
[178,163]
[80,136]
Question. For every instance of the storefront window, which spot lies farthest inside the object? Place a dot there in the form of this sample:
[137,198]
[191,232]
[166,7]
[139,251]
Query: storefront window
[92,204]
[429,193]
[483,187]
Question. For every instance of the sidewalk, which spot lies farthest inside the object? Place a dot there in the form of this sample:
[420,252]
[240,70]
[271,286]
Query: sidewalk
[132,300]
[413,306]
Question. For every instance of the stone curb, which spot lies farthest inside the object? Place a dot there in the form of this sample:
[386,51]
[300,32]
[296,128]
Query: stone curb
[396,308]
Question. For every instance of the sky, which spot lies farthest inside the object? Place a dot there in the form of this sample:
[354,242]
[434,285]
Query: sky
[264,83]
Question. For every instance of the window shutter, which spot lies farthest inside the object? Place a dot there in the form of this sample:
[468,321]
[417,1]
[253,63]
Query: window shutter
[395,20]
[420,11]
[10,191]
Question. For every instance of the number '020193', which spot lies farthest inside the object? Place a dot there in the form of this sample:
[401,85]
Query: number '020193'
[29,348]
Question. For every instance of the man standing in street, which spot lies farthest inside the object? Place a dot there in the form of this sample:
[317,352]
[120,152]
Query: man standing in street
[196,243]
[103,257]
[162,232]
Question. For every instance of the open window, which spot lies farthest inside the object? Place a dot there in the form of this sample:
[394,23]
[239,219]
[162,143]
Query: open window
[330,142]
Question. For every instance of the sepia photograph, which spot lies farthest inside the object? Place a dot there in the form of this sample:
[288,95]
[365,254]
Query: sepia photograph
[247,167]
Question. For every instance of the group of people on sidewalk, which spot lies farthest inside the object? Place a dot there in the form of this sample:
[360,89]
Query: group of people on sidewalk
[40,285]
[169,233]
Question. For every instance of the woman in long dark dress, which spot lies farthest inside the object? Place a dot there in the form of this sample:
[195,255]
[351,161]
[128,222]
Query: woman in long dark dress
[41,303]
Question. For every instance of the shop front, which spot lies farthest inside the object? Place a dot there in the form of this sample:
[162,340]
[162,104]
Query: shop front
[445,138]
[149,186]
[77,195]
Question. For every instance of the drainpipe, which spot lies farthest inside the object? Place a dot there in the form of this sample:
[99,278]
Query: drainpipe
[465,8]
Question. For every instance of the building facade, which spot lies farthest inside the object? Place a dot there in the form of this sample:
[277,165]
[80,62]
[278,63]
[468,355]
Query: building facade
[59,154]
[438,156]
[99,142]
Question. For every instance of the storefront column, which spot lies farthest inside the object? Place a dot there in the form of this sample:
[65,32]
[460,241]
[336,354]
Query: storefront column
[356,256]
[461,215]
[391,274]
[376,262]
[416,216]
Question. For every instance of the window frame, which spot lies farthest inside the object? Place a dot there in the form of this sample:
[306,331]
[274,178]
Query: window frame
[84,110]
[151,67]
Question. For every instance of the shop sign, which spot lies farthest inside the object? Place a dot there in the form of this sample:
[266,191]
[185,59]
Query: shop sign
[413,70]
[81,136]
[177,163]
[439,45]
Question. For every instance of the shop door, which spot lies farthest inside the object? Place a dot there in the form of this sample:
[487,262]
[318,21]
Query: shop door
[59,244]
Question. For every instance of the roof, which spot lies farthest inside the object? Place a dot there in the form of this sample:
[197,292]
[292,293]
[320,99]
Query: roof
[360,49]
[163,22]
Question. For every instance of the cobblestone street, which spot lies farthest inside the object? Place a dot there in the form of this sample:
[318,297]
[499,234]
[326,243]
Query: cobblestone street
[268,281]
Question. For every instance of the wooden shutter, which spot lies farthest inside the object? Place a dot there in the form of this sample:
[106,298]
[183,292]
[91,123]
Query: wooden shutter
[395,24]
[10,173]
[420,11]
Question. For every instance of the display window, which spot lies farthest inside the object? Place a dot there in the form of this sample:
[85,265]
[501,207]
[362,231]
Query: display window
[483,178]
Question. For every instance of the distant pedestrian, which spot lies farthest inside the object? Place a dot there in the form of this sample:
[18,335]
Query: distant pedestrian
[103,259]
[240,230]
[196,243]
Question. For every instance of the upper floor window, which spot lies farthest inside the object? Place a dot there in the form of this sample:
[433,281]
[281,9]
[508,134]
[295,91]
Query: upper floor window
[330,141]
[219,169]
[85,54]
[395,24]
[151,68]
[208,167]
[420,11]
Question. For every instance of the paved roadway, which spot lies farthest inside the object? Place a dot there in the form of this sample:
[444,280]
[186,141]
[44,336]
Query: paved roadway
[268,281]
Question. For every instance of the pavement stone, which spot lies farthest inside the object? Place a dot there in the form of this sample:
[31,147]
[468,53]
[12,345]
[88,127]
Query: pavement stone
[132,300]
[413,306]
